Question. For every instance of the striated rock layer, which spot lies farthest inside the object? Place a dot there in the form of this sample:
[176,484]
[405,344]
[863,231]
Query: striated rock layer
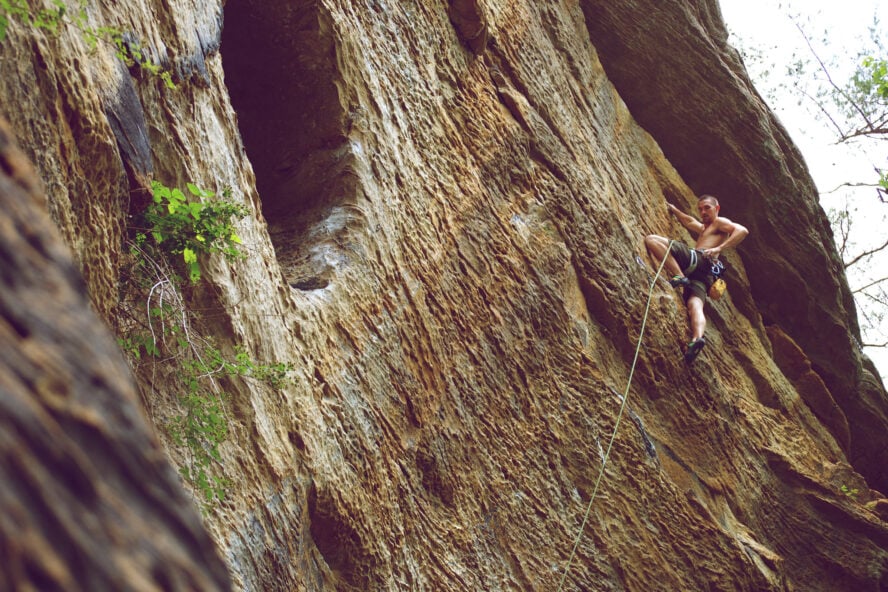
[447,205]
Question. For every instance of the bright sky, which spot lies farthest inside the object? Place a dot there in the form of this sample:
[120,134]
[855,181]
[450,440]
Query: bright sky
[838,31]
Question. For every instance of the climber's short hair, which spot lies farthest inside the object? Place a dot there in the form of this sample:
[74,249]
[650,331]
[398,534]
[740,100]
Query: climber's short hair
[710,198]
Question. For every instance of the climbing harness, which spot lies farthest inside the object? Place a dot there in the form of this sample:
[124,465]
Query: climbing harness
[625,398]
[716,269]
[694,260]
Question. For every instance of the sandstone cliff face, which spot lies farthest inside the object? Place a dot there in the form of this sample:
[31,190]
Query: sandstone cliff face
[88,500]
[447,206]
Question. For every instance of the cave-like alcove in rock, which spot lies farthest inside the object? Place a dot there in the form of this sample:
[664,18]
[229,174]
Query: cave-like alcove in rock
[280,69]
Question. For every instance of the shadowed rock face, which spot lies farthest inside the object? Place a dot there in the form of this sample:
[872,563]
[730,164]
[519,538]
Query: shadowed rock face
[448,204]
[87,499]
[281,72]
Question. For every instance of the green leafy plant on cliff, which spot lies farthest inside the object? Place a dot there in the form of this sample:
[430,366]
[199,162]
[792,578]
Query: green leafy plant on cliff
[49,19]
[127,49]
[200,429]
[163,341]
[203,427]
[851,493]
[186,379]
[191,228]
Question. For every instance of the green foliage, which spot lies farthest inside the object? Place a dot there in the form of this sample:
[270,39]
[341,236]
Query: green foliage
[189,228]
[851,493]
[52,20]
[48,19]
[157,330]
[129,52]
[276,375]
[200,427]
[865,97]
[139,346]
[873,74]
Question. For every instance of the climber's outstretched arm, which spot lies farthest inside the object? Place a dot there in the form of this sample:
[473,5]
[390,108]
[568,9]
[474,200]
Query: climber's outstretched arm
[693,225]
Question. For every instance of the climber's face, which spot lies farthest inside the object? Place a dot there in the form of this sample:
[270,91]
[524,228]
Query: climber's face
[708,210]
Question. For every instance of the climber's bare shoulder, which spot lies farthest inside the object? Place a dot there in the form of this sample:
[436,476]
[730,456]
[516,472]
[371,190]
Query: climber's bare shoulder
[725,226]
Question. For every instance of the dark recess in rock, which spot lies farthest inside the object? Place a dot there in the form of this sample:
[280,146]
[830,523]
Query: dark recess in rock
[281,71]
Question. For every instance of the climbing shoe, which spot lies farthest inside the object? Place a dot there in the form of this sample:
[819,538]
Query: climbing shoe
[679,280]
[694,349]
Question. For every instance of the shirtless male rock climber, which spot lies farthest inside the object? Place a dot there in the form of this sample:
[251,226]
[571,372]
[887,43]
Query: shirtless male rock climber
[692,268]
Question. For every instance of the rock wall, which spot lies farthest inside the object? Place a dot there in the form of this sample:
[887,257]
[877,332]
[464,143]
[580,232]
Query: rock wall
[447,205]
[88,501]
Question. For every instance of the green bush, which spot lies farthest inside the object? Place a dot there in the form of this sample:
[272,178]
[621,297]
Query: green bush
[157,330]
[189,228]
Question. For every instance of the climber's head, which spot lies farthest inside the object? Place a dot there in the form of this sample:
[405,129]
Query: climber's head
[708,208]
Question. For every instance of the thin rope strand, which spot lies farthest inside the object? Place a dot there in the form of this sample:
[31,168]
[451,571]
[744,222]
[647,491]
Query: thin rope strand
[619,418]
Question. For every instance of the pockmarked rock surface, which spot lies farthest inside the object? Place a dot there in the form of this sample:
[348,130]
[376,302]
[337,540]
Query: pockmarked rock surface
[88,501]
[447,204]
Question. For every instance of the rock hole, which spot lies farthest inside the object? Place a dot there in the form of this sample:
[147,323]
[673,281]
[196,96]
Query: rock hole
[337,541]
[434,479]
[296,440]
[281,71]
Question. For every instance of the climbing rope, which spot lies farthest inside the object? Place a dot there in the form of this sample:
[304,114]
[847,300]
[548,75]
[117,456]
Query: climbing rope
[619,417]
